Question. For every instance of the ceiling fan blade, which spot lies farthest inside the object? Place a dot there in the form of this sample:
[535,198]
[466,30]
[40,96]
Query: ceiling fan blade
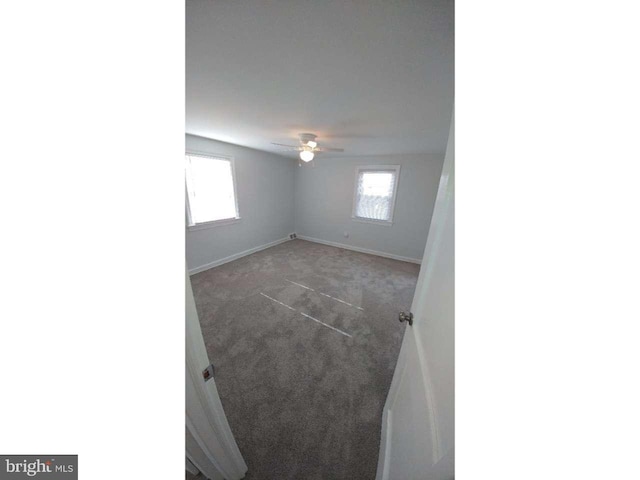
[283,145]
[327,149]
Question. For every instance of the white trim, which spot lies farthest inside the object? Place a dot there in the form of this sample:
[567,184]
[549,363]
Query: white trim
[374,222]
[235,256]
[376,168]
[213,223]
[362,250]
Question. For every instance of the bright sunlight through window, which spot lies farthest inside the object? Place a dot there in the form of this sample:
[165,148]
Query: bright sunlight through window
[375,193]
[210,189]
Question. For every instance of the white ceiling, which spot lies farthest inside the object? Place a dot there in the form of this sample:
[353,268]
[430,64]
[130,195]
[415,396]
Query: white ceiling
[372,77]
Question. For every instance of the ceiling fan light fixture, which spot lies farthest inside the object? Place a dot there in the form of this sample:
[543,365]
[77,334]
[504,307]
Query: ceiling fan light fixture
[306,156]
[308,147]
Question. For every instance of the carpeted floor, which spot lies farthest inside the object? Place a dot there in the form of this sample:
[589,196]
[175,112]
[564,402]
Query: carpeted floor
[303,376]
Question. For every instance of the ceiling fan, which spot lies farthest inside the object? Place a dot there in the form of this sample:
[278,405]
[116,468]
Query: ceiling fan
[308,147]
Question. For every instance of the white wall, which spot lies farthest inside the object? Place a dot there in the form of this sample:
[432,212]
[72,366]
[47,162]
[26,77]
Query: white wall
[324,200]
[265,185]
[276,197]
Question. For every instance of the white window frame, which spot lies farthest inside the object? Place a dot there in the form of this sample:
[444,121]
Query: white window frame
[213,223]
[375,168]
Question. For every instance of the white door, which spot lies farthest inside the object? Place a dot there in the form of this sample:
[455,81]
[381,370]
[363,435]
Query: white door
[417,423]
[210,445]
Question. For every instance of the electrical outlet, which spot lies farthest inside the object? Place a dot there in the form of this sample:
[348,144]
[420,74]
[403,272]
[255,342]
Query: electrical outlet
[346,234]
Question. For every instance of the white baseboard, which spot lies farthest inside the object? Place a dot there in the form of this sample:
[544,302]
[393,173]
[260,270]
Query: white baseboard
[235,256]
[361,250]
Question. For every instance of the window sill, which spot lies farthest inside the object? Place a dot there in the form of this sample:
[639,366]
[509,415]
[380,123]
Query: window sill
[215,223]
[374,222]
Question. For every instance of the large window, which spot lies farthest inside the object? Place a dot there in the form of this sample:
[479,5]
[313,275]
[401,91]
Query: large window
[211,192]
[375,193]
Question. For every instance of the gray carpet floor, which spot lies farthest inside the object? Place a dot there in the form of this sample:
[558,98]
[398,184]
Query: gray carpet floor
[305,338]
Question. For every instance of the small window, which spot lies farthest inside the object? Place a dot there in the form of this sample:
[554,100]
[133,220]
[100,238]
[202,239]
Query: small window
[211,192]
[375,193]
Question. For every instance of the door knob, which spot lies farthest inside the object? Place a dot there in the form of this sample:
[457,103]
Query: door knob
[406,317]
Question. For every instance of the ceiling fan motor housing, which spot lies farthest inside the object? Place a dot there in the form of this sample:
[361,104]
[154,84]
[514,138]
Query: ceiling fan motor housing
[307,137]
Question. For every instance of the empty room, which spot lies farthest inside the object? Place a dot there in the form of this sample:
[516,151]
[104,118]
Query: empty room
[319,180]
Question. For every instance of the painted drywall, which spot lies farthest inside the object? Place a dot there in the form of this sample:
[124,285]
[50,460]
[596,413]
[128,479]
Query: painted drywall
[265,185]
[324,200]
[370,77]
